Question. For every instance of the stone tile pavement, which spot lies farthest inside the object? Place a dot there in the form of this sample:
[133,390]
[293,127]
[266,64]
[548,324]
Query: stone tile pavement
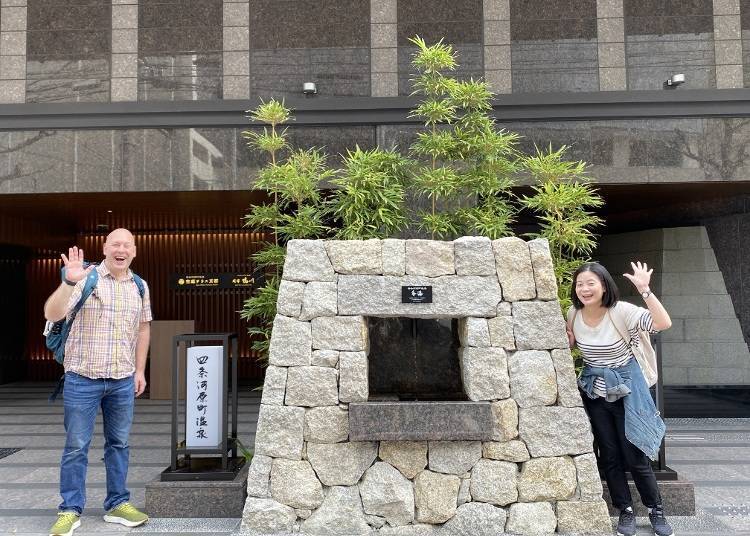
[713,453]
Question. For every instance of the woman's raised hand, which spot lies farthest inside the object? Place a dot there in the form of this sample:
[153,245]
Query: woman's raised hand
[74,270]
[641,275]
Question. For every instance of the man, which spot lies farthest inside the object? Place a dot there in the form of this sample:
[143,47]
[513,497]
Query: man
[105,360]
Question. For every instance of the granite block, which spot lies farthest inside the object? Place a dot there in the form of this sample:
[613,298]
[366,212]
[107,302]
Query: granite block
[196,499]
[400,421]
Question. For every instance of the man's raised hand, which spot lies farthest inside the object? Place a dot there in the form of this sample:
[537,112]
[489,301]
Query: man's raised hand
[74,270]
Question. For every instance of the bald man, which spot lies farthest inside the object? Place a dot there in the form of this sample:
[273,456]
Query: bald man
[105,360]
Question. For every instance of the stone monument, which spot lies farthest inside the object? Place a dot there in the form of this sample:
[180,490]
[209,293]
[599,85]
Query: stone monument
[509,452]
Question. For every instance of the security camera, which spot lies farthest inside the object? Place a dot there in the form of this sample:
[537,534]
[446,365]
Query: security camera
[675,80]
[308,88]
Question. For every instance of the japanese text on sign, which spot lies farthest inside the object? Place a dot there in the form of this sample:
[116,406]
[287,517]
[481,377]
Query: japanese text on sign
[203,396]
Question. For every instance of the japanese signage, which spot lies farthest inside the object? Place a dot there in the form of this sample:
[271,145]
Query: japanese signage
[203,396]
[225,280]
[416,294]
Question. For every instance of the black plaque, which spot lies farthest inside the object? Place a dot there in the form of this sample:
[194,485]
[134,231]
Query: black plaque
[416,294]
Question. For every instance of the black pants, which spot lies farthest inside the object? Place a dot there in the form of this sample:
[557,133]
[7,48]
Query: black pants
[617,455]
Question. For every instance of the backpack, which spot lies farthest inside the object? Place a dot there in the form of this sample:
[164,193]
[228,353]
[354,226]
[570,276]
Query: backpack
[56,333]
[644,351]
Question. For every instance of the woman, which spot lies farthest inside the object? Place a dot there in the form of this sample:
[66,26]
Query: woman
[626,424]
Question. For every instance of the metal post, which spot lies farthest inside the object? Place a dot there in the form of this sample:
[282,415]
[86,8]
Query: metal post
[235,395]
[175,395]
[662,461]
[224,401]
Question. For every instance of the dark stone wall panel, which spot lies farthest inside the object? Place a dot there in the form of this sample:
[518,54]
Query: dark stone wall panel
[729,239]
[45,15]
[306,24]
[335,71]
[661,8]
[438,10]
[74,44]
[454,33]
[154,40]
[457,23]
[199,13]
[554,46]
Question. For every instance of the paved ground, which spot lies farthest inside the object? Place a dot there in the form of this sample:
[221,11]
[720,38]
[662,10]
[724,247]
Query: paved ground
[713,453]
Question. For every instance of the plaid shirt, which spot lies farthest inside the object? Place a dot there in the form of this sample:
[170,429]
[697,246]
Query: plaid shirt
[104,333]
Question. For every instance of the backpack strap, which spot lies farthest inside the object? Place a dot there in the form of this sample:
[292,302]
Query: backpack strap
[572,313]
[644,353]
[140,284]
[91,280]
[620,327]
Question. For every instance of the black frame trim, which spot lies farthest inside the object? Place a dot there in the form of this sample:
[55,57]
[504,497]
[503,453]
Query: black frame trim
[377,111]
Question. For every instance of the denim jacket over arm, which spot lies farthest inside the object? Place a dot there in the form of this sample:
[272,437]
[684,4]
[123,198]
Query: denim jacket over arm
[644,426]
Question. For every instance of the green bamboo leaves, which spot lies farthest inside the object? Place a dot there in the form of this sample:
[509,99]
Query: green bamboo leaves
[466,164]
[562,199]
[370,199]
[456,178]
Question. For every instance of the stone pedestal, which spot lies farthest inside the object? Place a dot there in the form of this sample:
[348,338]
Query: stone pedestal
[215,498]
[678,497]
[511,452]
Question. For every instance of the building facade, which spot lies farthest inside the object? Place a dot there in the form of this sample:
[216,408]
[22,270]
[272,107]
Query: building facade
[128,112]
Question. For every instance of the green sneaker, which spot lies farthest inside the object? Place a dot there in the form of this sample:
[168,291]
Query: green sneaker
[66,523]
[126,514]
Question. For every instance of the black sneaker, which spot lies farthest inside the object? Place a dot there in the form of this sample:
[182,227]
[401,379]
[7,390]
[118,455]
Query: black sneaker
[626,523]
[659,522]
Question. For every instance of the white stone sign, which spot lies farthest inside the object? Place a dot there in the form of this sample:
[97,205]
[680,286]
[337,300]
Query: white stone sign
[203,396]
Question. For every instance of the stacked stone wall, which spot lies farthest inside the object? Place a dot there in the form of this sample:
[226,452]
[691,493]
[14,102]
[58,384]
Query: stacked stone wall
[535,473]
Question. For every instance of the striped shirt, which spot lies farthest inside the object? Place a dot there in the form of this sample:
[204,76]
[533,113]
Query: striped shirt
[603,346]
[104,333]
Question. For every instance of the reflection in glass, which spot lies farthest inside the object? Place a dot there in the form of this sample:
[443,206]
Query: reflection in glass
[631,151]
[68,49]
[180,77]
[82,80]
[180,50]
[156,159]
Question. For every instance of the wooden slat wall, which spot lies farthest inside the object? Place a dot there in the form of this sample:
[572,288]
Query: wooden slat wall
[43,275]
[159,254]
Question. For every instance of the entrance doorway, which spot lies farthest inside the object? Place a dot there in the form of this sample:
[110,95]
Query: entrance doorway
[177,234]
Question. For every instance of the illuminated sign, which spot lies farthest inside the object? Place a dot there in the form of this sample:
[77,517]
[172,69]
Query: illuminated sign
[203,396]
[224,280]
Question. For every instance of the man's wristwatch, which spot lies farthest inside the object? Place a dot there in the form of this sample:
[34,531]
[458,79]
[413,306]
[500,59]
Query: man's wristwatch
[71,283]
[646,293]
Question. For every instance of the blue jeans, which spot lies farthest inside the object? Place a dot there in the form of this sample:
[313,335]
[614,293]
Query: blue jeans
[82,398]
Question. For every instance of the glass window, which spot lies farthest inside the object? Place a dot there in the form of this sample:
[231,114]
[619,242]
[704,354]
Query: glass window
[326,42]
[666,38]
[180,50]
[151,159]
[553,46]
[68,51]
[457,23]
[632,151]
